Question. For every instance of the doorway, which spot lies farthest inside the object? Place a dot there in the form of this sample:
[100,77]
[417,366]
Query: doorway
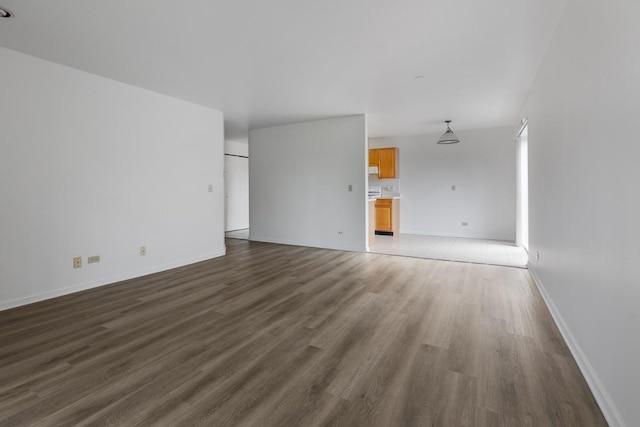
[522,189]
[236,193]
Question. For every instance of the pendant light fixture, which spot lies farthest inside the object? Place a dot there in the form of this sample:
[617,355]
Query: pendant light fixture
[448,137]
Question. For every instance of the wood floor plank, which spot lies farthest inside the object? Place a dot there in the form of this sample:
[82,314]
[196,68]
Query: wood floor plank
[275,335]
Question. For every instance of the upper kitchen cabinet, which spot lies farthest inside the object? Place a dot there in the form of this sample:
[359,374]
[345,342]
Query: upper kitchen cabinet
[385,159]
[374,157]
[387,162]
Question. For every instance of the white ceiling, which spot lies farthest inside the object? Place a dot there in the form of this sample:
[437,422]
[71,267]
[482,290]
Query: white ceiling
[268,62]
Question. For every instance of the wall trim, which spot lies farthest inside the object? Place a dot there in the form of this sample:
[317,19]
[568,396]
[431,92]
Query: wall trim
[30,299]
[603,398]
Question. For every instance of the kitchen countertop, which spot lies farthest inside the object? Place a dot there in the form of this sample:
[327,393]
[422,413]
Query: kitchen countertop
[387,195]
[390,195]
[371,199]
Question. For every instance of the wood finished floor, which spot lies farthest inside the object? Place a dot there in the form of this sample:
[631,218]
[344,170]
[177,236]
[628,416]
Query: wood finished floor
[274,335]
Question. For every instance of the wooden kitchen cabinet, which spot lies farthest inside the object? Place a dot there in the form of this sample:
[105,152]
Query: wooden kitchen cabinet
[387,163]
[386,160]
[373,157]
[383,215]
[387,216]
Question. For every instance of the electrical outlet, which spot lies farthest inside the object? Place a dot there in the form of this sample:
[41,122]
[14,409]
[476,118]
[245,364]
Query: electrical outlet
[350,187]
[77,262]
[92,259]
[465,224]
[210,188]
[340,232]
[537,255]
[143,250]
[453,187]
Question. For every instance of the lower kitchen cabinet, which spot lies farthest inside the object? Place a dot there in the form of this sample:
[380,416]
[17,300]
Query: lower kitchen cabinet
[387,216]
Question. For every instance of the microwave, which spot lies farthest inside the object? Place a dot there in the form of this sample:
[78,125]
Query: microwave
[373,170]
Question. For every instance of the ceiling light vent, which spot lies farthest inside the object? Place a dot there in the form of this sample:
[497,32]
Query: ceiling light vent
[5,13]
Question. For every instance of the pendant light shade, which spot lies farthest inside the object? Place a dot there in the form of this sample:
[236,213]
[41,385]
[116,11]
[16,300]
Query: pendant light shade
[448,137]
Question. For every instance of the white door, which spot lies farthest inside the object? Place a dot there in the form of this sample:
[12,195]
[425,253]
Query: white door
[236,189]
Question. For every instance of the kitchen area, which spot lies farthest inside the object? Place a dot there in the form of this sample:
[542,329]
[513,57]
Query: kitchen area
[384,199]
[384,193]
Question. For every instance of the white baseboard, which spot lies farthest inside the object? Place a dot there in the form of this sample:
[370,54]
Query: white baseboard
[605,402]
[30,299]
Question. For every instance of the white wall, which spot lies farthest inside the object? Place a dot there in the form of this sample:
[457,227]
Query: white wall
[482,167]
[90,166]
[584,197]
[298,183]
[237,147]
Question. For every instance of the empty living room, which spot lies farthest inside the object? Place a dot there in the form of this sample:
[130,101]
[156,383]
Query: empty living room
[124,303]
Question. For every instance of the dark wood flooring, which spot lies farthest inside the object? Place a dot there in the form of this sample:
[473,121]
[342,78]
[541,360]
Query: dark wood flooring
[274,335]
